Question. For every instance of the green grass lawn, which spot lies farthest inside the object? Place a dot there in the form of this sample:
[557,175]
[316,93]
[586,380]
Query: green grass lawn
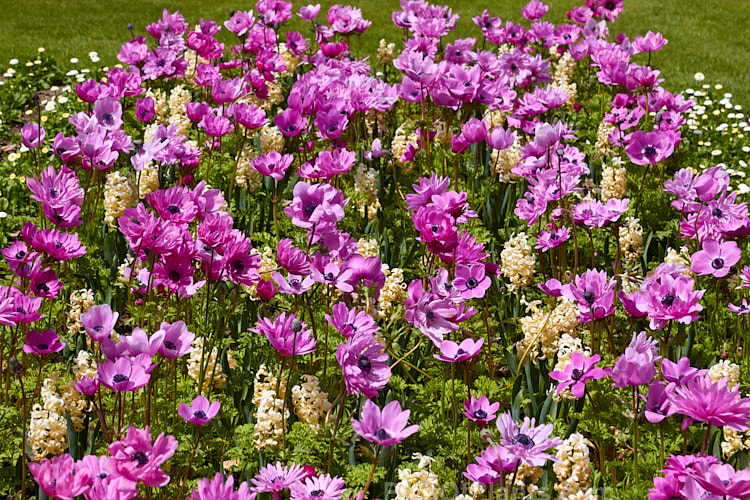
[704,36]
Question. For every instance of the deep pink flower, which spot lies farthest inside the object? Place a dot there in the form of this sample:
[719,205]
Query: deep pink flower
[144,109]
[309,12]
[593,292]
[715,258]
[87,385]
[176,340]
[290,122]
[32,136]
[657,402]
[45,342]
[364,364]
[349,322]
[715,403]
[136,459]
[636,366]
[318,205]
[240,22]
[99,321]
[480,410]
[322,487]
[200,412]
[124,374]
[108,112]
[57,479]
[526,441]
[649,148]
[272,164]
[386,427]
[219,489]
[287,334]
[454,353]
[722,479]
[472,281]
[577,372]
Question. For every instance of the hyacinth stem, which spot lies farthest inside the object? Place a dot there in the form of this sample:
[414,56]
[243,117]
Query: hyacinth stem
[234,170]
[705,439]
[372,470]
[661,444]
[23,438]
[635,433]
[666,340]
[490,368]
[190,463]
[339,414]
[513,477]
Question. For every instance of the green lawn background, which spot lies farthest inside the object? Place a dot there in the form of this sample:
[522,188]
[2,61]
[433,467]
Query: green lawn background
[708,36]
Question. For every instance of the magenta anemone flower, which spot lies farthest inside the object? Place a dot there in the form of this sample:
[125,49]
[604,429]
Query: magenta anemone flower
[56,244]
[219,489]
[715,258]
[323,487]
[136,459]
[491,466]
[349,322]
[454,353]
[177,339]
[679,373]
[649,148]
[99,321]
[594,293]
[386,427]
[290,122]
[553,238]
[200,412]
[668,295]
[57,479]
[526,442]
[743,308]
[108,112]
[577,372]
[175,204]
[637,364]
[144,109]
[314,205]
[87,385]
[32,135]
[472,281]
[277,478]
[287,334]
[45,342]
[272,164]
[480,410]
[715,403]
[657,402]
[364,365]
[124,374]
[722,479]
[309,12]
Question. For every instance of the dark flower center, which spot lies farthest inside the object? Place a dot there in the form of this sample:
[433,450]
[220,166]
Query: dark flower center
[98,328]
[316,493]
[20,255]
[53,193]
[717,263]
[668,300]
[589,297]
[174,275]
[42,287]
[364,364]
[480,414]
[434,228]
[649,151]
[170,345]
[310,208]
[471,283]
[107,117]
[576,374]
[291,128]
[717,212]
[173,209]
[119,377]
[239,266]
[200,414]
[141,458]
[430,314]
[103,475]
[42,347]
[461,352]
[382,434]
[330,277]
[523,440]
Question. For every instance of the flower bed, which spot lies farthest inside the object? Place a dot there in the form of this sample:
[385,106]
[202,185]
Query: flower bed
[250,262]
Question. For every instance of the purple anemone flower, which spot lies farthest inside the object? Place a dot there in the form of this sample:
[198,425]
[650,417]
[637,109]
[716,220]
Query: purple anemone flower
[200,412]
[323,487]
[287,334]
[364,365]
[44,342]
[177,340]
[275,478]
[593,292]
[349,322]
[480,410]
[60,478]
[649,148]
[454,353]
[124,374]
[137,459]
[712,402]
[715,258]
[472,281]
[526,441]
[577,372]
[99,321]
[657,402]
[386,427]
